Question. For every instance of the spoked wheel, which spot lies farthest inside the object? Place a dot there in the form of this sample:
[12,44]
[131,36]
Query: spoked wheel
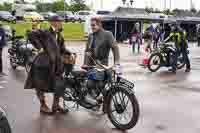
[123,109]
[154,62]
[180,62]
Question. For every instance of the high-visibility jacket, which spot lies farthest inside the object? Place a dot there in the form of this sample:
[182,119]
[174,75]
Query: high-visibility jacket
[178,37]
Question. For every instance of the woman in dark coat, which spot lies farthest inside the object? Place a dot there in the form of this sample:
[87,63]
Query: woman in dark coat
[46,68]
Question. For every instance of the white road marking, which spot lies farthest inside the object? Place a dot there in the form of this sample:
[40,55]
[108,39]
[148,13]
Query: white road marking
[1,87]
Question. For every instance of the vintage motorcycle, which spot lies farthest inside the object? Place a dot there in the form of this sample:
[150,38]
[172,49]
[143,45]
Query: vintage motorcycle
[163,57]
[20,53]
[114,94]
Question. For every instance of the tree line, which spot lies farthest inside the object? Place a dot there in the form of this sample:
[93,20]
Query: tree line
[60,5]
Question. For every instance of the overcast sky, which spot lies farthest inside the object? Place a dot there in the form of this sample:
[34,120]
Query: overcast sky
[112,4]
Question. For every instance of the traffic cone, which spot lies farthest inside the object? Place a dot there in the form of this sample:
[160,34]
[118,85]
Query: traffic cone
[146,56]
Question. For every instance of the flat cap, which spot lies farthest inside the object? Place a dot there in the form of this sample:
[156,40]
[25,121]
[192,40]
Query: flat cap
[55,18]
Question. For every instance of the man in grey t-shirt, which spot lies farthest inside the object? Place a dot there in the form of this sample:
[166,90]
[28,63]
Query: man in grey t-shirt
[99,44]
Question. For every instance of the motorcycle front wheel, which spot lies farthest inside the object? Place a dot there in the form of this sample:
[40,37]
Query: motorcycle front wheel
[155,61]
[123,109]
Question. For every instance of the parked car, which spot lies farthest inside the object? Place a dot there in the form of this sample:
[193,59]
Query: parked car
[103,12]
[6,16]
[82,15]
[66,15]
[29,16]
[4,124]
[47,15]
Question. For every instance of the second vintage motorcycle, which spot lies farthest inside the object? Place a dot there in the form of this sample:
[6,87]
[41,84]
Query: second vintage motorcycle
[21,53]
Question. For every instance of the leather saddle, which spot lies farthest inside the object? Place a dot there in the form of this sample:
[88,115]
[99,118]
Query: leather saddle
[78,72]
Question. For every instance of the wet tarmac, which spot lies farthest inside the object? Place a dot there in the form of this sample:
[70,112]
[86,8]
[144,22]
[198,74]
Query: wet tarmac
[169,103]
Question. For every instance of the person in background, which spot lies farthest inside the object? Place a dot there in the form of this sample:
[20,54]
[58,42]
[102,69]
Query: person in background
[178,36]
[136,37]
[2,45]
[35,24]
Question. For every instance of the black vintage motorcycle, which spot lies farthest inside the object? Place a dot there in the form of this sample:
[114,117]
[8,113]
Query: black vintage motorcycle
[111,93]
[20,53]
[163,57]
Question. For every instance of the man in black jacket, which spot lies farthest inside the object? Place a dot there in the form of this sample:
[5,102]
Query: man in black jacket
[56,29]
[2,44]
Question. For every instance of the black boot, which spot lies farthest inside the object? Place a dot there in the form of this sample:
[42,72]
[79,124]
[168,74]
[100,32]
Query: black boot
[56,106]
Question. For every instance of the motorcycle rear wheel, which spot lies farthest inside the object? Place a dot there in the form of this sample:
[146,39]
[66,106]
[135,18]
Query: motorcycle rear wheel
[121,108]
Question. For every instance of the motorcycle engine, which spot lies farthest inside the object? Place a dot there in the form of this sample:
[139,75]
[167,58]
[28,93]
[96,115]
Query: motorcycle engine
[95,87]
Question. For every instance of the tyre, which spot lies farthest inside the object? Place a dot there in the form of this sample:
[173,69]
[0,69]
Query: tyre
[120,100]
[155,61]
[180,62]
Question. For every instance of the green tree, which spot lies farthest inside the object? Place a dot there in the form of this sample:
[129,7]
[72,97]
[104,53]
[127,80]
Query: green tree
[193,10]
[6,6]
[77,5]
[149,10]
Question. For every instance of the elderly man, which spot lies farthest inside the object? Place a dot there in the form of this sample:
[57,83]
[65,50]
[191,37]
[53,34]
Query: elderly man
[56,29]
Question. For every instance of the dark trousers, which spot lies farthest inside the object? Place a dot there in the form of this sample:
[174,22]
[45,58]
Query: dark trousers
[133,47]
[198,39]
[182,50]
[1,60]
[185,56]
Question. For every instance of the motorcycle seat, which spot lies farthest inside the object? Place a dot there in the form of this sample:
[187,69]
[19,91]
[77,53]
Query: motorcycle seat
[79,72]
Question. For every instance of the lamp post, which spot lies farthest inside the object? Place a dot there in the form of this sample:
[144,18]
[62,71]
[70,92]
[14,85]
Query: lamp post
[124,2]
[131,1]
